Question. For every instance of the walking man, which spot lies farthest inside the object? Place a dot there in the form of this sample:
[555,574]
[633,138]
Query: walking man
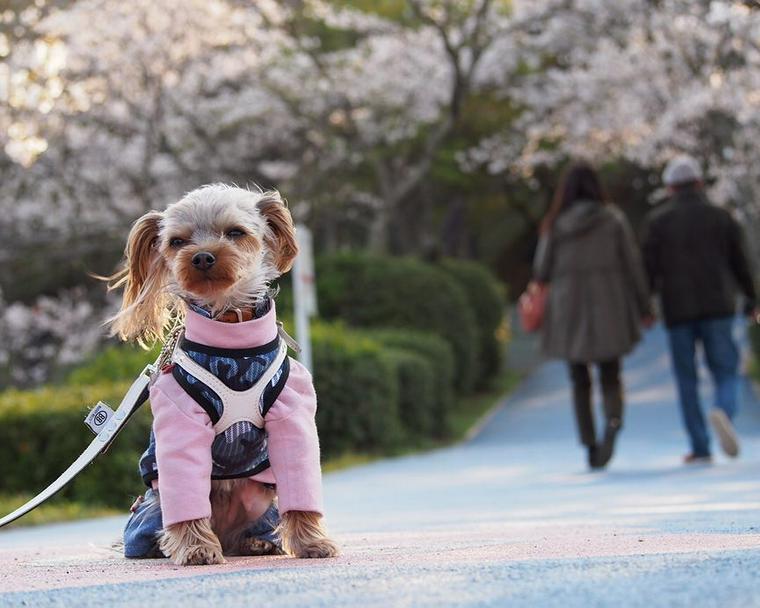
[695,259]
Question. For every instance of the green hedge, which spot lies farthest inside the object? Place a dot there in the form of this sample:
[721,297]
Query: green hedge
[42,432]
[377,392]
[369,291]
[753,335]
[115,363]
[416,396]
[440,356]
[357,392]
[419,332]
[487,298]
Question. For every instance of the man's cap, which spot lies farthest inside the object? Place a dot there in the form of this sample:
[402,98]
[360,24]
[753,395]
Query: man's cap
[682,169]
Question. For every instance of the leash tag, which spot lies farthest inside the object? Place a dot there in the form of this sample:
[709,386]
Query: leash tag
[98,417]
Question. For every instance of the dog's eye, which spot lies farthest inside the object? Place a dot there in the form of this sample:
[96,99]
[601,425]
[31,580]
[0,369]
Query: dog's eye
[177,242]
[235,233]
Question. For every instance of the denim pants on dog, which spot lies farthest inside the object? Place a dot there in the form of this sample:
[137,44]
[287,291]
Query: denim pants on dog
[722,355]
[141,531]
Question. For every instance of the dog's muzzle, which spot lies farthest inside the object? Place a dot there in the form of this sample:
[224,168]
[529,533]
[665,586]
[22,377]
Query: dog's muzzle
[203,260]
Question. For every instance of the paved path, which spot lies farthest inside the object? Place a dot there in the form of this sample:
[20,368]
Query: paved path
[510,519]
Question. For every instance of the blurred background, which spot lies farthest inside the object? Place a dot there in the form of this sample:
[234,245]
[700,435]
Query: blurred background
[420,141]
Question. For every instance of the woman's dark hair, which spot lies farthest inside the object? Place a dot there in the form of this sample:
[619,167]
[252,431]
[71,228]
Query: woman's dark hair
[578,182]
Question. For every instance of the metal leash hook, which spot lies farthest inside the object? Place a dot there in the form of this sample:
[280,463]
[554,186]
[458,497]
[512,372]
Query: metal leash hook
[294,346]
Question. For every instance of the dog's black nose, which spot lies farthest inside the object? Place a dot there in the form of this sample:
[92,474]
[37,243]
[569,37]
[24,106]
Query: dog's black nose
[203,260]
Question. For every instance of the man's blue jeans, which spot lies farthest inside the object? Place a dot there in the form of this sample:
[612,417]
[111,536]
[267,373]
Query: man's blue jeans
[722,355]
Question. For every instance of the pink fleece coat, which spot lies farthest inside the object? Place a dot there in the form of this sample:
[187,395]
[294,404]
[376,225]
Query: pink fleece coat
[184,432]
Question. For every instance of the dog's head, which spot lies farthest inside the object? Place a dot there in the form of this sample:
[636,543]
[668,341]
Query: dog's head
[219,247]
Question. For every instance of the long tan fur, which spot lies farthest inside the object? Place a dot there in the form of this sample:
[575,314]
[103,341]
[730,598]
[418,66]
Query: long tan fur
[282,241]
[146,306]
[235,503]
[191,543]
[303,535]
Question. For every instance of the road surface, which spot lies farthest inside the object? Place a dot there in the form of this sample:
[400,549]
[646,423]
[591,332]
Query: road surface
[510,518]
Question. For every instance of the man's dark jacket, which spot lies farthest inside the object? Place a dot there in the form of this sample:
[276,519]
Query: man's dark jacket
[695,258]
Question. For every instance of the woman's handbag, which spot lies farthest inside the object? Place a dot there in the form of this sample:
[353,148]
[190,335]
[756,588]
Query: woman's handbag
[532,306]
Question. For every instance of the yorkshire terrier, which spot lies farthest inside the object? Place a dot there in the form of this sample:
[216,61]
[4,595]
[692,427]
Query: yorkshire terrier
[207,262]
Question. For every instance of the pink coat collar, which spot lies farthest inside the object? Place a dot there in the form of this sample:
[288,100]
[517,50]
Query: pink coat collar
[248,334]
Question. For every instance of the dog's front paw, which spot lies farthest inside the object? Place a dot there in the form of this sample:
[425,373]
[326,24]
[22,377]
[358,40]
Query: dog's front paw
[303,535]
[201,556]
[191,543]
[318,549]
[257,546]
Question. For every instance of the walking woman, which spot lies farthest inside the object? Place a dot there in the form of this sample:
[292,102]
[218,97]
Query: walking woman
[598,298]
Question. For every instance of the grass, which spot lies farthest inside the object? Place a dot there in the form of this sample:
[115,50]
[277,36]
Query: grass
[346,461]
[754,368]
[468,413]
[474,408]
[56,510]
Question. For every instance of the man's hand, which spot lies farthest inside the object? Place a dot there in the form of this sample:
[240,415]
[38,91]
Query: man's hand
[648,321]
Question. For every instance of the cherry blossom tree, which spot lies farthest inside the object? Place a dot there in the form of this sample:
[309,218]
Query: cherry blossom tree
[641,81]
[124,106]
[108,109]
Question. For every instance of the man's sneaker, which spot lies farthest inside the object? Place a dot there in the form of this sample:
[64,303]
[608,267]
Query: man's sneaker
[725,431]
[695,459]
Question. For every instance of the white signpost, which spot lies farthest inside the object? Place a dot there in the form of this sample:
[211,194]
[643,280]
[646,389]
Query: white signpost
[304,292]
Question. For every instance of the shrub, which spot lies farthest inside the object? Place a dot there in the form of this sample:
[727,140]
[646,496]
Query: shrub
[357,391]
[373,291]
[284,297]
[416,394]
[42,433]
[440,356]
[753,335]
[376,389]
[113,364]
[487,298]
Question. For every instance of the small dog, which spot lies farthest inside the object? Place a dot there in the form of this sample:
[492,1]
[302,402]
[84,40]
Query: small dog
[210,259]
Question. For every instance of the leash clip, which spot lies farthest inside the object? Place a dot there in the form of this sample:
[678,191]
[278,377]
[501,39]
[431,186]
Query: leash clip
[294,346]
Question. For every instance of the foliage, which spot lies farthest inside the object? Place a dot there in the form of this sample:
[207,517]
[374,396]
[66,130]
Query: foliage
[114,363]
[113,108]
[41,433]
[440,356]
[414,126]
[54,511]
[416,391]
[379,391]
[462,421]
[640,81]
[373,291]
[487,299]
[357,391]
[753,335]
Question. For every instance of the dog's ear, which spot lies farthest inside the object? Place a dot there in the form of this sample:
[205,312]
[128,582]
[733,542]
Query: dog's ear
[145,303]
[281,239]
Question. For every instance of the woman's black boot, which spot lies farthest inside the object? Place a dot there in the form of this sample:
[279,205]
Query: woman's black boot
[607,447]
[593,456]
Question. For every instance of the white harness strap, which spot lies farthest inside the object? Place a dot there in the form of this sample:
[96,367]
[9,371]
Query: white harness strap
[237,405]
